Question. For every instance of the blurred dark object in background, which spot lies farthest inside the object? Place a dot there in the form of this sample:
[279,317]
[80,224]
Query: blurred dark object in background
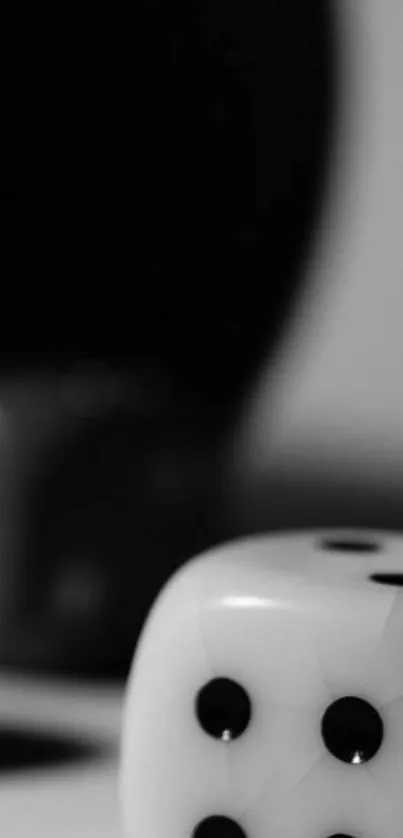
[305,500]
[161,178]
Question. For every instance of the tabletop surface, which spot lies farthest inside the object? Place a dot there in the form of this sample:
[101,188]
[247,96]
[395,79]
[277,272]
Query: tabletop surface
[76,798]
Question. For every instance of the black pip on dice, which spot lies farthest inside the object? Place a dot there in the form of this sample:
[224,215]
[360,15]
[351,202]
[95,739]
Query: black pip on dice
[266,694]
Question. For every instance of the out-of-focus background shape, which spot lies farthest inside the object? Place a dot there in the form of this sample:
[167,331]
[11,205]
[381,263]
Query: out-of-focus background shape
[322,440]
[161,183]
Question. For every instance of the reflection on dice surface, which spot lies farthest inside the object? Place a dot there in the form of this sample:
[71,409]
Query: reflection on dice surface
[266,694]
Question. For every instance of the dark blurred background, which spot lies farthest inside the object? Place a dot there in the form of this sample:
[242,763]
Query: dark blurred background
[162,171]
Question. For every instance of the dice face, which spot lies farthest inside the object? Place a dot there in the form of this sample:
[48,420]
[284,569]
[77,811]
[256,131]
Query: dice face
[266,694]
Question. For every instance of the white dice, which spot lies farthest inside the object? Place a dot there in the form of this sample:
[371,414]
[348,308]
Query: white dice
[266,694]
